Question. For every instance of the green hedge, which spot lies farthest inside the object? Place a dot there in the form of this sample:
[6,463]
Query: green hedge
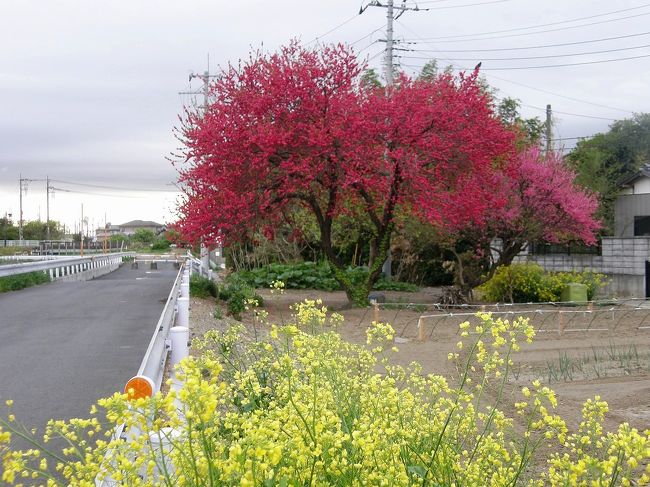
[202,287]
[523,283]
[21,281]
[311,275]
[237,294]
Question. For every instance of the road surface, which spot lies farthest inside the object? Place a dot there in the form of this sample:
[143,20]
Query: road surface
[63,345]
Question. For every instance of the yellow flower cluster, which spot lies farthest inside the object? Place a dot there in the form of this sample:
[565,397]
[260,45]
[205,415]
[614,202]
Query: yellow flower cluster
[308,408]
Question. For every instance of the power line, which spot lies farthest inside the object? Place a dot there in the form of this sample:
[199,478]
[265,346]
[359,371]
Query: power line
[515,29]
[570,114]
[333,29]
[548,56]
[541,90]
[74,191]
[116,188]
[367,35]
[478,4]
[540,46]
[566,64]
[548,92]
[431,2]
[540,31]
[572,138]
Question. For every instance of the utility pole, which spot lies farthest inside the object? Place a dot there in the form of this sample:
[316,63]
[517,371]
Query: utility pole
[549,127]
[205,91]
[81,234]
[205,77]
[389,44]
[390,38]
[389,71]
[105,233]
[20,214]
[47,221]
[23,190]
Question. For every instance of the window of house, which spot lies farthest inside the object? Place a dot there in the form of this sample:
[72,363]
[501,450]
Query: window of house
[642,226]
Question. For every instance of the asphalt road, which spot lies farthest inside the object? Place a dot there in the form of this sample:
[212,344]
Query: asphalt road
[63,345]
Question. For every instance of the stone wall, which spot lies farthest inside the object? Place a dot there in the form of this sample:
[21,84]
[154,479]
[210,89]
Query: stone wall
[622,260]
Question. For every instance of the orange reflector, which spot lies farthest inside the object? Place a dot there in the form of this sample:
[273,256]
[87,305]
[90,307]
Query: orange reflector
[138,387]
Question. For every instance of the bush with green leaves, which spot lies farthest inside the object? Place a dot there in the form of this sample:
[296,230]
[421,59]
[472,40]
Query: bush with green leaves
[311,275]
[21,281]
[523,283]
[202,287]
[238,294]
[160,244]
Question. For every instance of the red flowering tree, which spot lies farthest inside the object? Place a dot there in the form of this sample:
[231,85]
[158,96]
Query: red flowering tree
[299,129]
[539,202]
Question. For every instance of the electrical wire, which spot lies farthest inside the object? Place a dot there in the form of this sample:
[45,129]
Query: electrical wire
[570,113]
[540,31]
[315,39]
[515,29]
[571,138]
[93,194]
[116,188]
[540,46]
[566,64]
[367,35]
[478,4]
[524,85]
[548,92]
[548,56]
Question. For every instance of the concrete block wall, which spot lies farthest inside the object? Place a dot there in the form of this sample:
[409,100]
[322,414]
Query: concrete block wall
[623,261]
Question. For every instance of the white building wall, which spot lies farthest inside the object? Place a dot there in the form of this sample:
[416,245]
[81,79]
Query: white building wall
[642,186]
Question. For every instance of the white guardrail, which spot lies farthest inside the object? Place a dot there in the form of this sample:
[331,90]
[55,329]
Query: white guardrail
[64,266]
[170,335]
[153,363]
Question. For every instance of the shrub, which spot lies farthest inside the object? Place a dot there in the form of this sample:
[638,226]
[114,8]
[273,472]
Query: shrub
[160,244]
[202,287]
[521,283]
[21,281]
[238,294]
[311,275]
[305,408]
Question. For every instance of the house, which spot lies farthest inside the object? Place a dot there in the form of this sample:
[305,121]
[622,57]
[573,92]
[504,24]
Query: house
[129,228]
[632,208]
[624,257]
[107,232]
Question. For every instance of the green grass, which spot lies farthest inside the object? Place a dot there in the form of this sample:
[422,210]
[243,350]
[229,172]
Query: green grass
[22,281]
[14,250]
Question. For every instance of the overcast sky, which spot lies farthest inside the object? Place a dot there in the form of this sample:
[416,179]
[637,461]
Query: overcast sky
[89,90]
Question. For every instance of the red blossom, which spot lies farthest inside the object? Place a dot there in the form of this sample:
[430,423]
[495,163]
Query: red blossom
[299,128]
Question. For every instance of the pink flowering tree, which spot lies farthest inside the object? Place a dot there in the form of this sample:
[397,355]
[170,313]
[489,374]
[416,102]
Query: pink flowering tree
[535,199]
[299,130]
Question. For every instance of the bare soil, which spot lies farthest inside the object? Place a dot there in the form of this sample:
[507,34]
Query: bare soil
[580,352]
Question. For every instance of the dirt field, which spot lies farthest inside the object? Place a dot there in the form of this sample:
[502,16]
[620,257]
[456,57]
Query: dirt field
[601,351]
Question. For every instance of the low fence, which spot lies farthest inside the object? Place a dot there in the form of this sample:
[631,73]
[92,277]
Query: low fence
[612,320]
[19,243]
[68,268]
[423,321]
